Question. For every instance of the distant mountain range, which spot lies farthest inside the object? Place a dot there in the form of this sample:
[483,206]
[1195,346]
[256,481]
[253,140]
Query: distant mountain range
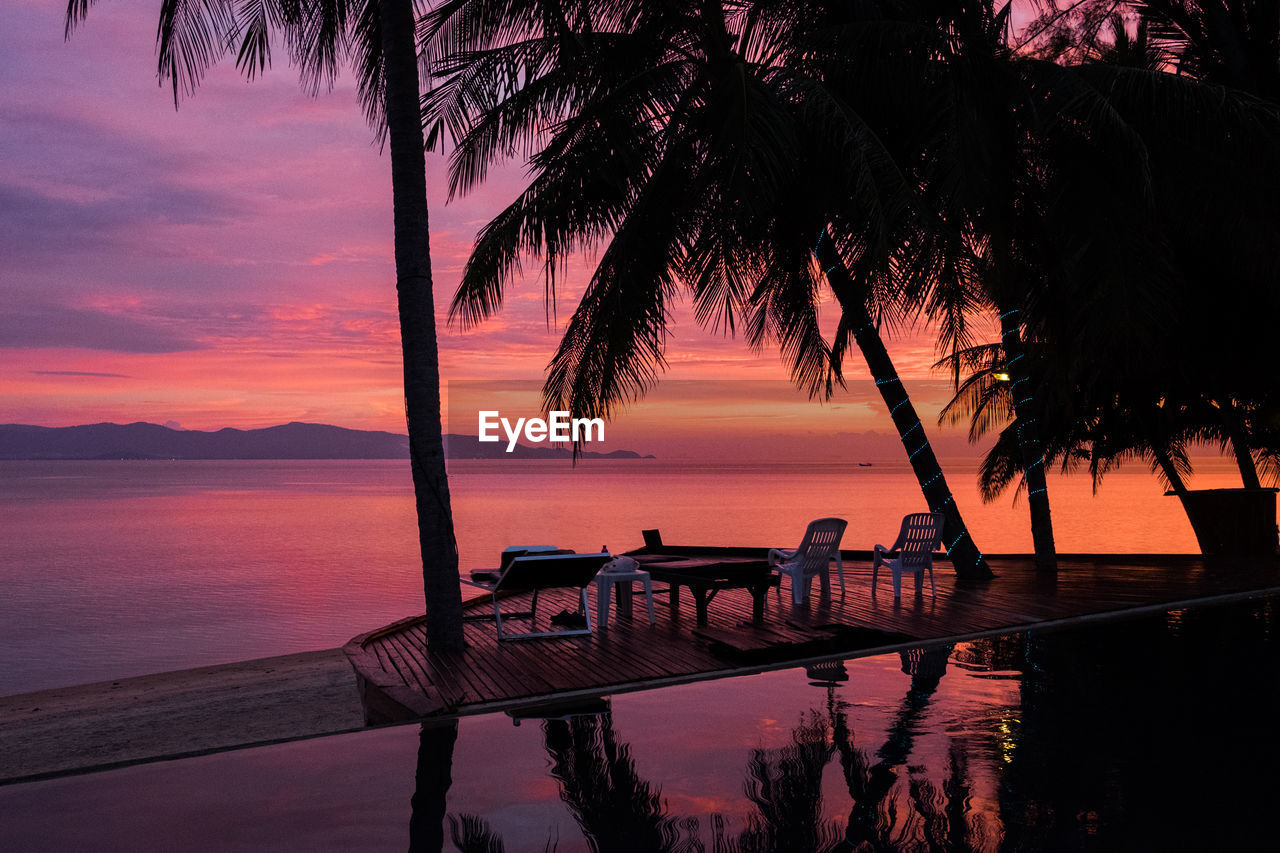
[289,441]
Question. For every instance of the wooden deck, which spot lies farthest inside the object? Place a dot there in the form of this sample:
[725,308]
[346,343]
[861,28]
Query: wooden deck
[399,679]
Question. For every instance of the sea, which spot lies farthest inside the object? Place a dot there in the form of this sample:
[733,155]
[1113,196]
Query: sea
[1151,733]
[111,569]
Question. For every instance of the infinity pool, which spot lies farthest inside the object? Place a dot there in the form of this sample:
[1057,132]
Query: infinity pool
[1159,733]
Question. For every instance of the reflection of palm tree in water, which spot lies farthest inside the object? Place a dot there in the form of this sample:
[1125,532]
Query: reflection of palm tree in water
[616,809]
[619,811]
[785,786]
[434,776]
[941,819]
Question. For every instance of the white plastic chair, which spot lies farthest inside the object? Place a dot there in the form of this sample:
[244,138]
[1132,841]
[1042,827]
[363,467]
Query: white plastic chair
[820,544]
[913,551]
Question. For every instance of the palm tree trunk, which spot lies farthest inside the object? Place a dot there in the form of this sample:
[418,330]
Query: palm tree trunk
[1171,474]
[1028,441]
[1239,444]
[852,296]
[418,328]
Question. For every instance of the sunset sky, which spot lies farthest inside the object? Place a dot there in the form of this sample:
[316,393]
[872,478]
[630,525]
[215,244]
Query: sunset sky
[229,263]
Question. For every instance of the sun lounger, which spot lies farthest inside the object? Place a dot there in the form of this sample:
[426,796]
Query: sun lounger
[536,573]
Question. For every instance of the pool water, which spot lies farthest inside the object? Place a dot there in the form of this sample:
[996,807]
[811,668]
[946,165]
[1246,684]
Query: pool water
[1155,733]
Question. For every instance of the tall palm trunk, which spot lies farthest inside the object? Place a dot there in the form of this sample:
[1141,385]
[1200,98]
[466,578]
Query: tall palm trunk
[418,328]
[1238,439]
[1029,446]
[1171,474]
[852,296]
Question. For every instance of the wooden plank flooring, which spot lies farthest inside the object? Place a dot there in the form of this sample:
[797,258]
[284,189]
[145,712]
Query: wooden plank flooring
[400,679]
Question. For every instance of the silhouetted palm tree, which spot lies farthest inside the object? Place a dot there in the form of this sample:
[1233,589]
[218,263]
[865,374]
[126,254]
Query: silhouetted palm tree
[681,138]
[1153,373]
[1231,42]
[377,38]
[1235,44]
[978,173]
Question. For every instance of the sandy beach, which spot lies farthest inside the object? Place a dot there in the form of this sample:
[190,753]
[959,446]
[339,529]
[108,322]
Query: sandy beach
[176,714]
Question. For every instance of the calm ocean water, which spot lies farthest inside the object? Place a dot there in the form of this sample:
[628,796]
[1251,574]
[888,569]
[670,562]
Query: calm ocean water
[114,569]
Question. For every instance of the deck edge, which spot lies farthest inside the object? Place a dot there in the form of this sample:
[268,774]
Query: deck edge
[753,669]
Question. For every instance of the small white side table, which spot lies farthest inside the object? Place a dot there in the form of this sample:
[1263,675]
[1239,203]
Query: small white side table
[604,584]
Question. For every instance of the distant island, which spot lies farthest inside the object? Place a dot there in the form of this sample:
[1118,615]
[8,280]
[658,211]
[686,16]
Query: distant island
[288,441]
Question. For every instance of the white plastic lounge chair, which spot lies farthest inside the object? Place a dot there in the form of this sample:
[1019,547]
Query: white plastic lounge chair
[820,544]
[912,553]
[539,572]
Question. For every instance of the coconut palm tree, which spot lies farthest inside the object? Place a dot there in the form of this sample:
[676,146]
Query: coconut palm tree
[1224,43]
[678,137]
[1235,44]
[1147,377]
[377,38]
[978,173]
[1230,42]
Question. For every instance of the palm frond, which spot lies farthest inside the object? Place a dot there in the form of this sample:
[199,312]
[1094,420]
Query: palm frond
[364,49]
[784,309]
[613,346]
[980,396]
[255,20]
[191,36]
[1001,467]
[585,182]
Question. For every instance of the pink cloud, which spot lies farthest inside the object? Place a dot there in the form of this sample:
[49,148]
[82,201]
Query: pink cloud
[230,263]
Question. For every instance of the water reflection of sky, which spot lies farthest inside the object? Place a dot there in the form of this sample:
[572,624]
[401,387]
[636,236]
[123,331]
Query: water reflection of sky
[1110,736]
[691,742]
[130,568]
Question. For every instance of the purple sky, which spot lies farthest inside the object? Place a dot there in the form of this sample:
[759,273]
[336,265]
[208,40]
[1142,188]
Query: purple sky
[229,264]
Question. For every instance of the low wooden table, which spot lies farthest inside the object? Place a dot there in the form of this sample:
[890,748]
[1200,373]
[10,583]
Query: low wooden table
[706,577]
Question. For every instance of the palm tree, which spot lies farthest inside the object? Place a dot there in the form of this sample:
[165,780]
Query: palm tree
[1146,376]
[377,37]
[678,136]
[1236,44]
[1224,43]
[977,174]
[1230,42]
